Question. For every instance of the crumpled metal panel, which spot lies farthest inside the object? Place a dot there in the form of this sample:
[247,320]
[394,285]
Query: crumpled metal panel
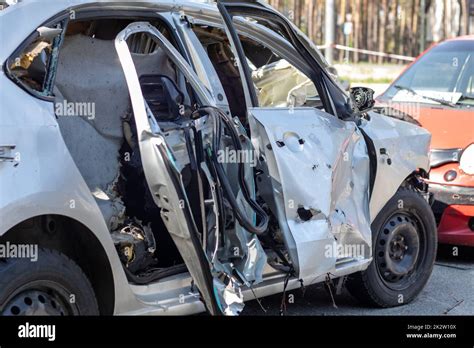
[401,148]
[319,164]
[163,174]
[229,297]
[163,177]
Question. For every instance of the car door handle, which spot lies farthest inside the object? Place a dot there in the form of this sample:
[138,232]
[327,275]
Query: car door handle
[5,153]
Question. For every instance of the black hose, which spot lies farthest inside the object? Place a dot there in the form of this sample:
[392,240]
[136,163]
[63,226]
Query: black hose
[239,214]
[248,225]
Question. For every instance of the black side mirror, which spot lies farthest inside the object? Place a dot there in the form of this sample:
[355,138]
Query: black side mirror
[363,98]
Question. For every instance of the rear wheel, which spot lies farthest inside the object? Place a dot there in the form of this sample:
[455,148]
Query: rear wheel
[52,285]
[404,250]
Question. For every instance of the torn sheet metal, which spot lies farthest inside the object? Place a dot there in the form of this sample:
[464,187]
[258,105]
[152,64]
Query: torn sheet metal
[163,177]
[401,149]
[244,248]
[229,297]
[317,168]
[211,268]
[242,252]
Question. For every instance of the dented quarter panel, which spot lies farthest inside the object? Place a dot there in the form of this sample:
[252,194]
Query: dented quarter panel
[46,180]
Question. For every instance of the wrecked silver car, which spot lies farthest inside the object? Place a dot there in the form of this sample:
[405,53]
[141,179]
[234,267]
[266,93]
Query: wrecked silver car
[172,157]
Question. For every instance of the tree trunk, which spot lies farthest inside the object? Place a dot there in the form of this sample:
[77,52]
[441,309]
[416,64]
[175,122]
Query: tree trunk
[342,16]
[356,8]
[310,18]
[465,17]
[383,29]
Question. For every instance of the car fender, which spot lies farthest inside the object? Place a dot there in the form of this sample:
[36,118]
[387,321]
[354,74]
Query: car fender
[401,149]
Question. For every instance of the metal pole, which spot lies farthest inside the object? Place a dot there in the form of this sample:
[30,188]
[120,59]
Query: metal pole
[330,17]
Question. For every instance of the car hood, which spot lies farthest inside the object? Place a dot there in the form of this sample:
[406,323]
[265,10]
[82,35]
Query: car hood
[449,128]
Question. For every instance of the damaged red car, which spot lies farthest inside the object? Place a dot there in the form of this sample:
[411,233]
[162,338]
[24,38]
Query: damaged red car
[437,91]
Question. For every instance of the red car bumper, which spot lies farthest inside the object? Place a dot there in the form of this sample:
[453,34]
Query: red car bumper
[454,211]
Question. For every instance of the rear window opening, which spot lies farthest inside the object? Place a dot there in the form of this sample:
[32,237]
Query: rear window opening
[31,63]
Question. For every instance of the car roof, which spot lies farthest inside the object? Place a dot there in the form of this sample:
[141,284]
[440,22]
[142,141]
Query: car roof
[18,21]
[460,42]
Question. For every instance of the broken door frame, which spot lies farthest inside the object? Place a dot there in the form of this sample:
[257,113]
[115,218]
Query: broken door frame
[166,185]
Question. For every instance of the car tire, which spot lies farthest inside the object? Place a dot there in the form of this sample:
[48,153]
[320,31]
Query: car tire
[404,251]
[51,285]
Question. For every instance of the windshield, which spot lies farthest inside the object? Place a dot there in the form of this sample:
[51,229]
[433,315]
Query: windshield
[446,72]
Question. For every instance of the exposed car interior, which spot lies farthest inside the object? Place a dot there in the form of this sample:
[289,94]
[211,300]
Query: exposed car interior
[104,146]
[105,150]
[278,83]
[102,137]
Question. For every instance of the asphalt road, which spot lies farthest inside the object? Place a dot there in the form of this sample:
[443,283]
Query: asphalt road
[450,291]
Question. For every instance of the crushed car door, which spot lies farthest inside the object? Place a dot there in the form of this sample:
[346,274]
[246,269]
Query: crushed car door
[314,169]
[217,276]
[164,179]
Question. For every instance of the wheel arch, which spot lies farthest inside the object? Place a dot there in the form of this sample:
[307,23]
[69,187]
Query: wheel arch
[415,179]
[76,241]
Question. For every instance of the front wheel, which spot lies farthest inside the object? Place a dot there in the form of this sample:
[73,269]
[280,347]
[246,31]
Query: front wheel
[404,251]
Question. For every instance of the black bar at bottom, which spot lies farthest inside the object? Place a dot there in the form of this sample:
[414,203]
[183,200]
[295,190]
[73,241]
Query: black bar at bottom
[425,330]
